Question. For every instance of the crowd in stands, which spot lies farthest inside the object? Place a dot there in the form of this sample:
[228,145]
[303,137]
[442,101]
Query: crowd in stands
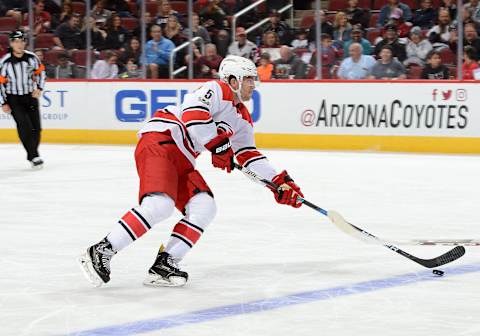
[359,39]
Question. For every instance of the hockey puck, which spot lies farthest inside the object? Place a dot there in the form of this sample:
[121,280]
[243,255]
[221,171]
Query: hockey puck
[438,272]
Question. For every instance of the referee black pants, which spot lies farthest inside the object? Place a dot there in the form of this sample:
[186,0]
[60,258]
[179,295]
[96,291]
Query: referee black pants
[26,114]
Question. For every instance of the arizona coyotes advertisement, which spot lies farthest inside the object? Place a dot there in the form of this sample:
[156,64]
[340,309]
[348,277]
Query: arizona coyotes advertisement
[450,109]
[428,109]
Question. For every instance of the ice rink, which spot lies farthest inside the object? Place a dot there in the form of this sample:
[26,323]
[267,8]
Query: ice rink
[260,268]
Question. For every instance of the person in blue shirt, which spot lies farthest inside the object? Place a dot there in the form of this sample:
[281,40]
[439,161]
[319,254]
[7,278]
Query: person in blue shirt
[357,66]
[357,38]
[157,52]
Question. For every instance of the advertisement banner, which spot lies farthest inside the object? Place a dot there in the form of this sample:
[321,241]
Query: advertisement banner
[279,109]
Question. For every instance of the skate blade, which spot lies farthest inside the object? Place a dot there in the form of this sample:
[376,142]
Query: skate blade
[38,167]
[88,271]
[157,281]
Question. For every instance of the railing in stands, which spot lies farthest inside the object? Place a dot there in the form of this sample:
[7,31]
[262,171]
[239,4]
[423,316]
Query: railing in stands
[184,45]
[240,13]
[262,22]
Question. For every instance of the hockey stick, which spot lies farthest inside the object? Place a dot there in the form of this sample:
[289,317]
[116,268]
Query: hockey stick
[433,242]
[361,234]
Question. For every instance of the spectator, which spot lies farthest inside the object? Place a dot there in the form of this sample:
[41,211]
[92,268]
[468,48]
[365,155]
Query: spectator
[48,67]
[402,27]
[391,39]
[213,17]
[117,35]
[133,51]
[14,9]
[417,48]
[326,27]
[450,6]
[132,70]
[41,19]
[265,69]
[222,41]
[301,42]
[387,67]
[470,39]
[64,15]
[100,14]
[386,11]
[467,18]
[357,38]
[173,30]
[341,29]
[470,63]
[434,69]
[164,11]
[137,32]
[158,51]
[68,34]
[97,35]
[197,30]
[330,54]
[474,7]
[289,65]
[242,47]
[208,64]
[357,15]
[278,26]
[106,69]
[424,17]
[270,45]
[357,66]
[65,69]
[440,34]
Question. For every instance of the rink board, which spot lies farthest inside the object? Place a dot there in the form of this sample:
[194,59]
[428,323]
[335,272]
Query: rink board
[408,116]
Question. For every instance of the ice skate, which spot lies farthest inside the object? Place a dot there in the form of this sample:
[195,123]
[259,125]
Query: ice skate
[37,163]
[95,262]
[165,272]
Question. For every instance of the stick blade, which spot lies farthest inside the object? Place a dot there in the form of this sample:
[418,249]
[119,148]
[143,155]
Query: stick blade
[452,255]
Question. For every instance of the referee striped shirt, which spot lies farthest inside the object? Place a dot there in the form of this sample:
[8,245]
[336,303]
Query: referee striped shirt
[20,75]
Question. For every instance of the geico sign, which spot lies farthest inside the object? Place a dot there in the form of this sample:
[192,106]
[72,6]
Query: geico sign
[139,105]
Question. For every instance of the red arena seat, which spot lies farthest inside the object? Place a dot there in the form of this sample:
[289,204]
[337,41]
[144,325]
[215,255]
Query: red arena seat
[79,57]
[307,21]
[7,24]
[44,41]
[129,23]
[79,7]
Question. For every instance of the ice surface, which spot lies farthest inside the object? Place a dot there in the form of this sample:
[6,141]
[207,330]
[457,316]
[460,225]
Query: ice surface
[260,269]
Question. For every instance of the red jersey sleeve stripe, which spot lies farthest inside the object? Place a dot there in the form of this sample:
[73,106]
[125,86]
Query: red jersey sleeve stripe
[247,155]
[195,115]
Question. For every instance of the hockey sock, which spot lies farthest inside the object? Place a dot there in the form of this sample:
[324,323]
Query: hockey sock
[200,211]
[137,221]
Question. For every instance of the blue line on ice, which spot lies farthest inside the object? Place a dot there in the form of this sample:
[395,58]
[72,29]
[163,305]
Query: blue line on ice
[216,313]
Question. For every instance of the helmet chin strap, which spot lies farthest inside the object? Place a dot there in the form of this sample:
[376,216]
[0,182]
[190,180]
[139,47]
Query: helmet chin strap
[237,91]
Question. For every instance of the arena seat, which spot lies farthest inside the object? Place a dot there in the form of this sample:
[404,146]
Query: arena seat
[79,57]
[307,21]
[129,23]
[179,6]
[51,56]
[448,56]
[7,24]
[44,41]
[79,7]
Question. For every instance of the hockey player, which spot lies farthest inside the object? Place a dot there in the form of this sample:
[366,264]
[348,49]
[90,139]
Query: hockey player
[212,118]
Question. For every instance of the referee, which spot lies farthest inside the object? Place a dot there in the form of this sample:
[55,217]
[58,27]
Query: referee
[22,78]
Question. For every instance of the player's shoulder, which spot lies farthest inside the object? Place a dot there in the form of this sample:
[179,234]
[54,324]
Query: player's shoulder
[30,54]
[5,58]
[223,89]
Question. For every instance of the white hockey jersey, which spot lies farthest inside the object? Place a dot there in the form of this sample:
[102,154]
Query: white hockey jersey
[195,123]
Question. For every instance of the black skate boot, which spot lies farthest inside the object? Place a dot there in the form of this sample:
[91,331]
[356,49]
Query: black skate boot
[165,272]
[95,262]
